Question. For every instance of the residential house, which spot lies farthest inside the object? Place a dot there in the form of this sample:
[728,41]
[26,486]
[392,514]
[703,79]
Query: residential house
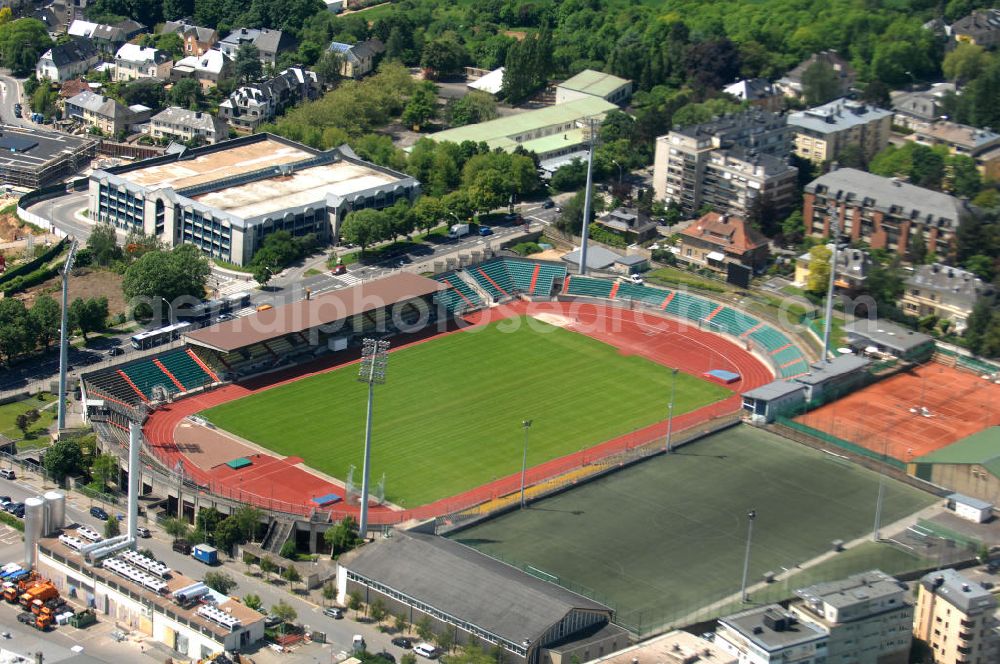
[759,92]
[107,38]
[359,59]
[981,27]
[65,61]
[94,110]
[250,106]
[791,83]
[269,43]
[949,293]
[853,266]
[983,145]
[181,124]
[882,212]
[205,68]
[57,15]
[717,239]
[730,163]
[920,105]
[955,617]
[766,634]
[197,40]
[630,224]
[867,617]
[133,62]
[823,132]
[590,83]
[73,87]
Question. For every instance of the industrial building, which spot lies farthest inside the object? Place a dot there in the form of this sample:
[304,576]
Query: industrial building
[31,158]
[476,597]
[590,83]
[226,198]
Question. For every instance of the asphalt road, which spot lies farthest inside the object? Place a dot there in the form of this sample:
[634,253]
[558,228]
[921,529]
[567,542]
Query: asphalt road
[11,92]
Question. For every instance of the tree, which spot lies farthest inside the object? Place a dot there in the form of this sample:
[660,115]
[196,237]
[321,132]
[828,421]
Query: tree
[267,566]
[22,41]
[354,602]
[103,470]
[88,315]
[103,244]
[252,601]
[475,107]
[249,519]
[978,325]
[425,629]
[207,520]
[819,269]
[377,611]
[148,92]
[176,528]
[363,227]
[64,458]
[220,582]
[329,591]
[284,612]
[171,275]
[965,62]
[443,57]
[111,527]
[422,106]
[712,63]
[262,275]
[399,623]
[16,335]
[885,285]
[288,550]
[927,169]
[45,318]
[248,67]
[292,576]
[228,533]
[186,93]
[570,177]
[819,83]
[446,639]
[918,248]
[408,658]
[964,179]
[26,419]
[328,68]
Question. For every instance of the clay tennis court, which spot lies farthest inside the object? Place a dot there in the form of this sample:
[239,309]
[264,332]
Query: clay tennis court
[888,415]
[275,482]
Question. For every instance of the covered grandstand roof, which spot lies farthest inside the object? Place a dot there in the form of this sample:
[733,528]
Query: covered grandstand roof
[321,310]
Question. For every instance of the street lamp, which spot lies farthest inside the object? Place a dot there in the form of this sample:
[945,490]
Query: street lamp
[170,309]
[670,411]
[64,338]
[526,425]
[751,515]
[615,162]
[374,358]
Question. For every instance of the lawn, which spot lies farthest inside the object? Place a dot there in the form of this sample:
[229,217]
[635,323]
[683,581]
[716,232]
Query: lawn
[449,417]
[663,539]
[10,411]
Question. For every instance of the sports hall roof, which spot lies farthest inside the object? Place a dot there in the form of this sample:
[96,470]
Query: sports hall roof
[981,448]
[321,310]
[467,585]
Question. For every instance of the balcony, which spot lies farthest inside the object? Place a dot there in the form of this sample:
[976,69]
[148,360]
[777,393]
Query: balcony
[965,636]
[964,650]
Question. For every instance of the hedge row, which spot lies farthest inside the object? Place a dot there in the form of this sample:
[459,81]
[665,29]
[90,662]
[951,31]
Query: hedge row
[33,265]
[12,521]
[28,280]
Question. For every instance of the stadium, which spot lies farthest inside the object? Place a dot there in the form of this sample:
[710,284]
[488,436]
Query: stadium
[505,376]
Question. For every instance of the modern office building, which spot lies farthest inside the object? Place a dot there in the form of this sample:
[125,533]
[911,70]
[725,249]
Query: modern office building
[823,132]
[955,617]
[226,198]
[727,163]
[766,634]
[883,212]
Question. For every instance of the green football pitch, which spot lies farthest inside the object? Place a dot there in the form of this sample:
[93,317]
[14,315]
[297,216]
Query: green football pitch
[449,417]
[665,538]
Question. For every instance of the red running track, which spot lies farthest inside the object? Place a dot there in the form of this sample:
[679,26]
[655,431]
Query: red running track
[281,484]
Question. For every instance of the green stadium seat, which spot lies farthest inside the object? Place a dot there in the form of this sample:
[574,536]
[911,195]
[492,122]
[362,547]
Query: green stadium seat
[589,287]
[688,306]
[185,369]
[770,338]
[645,294]
[494,279]
[732,321]
[459,297]
[785,356]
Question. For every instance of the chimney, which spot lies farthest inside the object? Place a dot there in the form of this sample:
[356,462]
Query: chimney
[198,115]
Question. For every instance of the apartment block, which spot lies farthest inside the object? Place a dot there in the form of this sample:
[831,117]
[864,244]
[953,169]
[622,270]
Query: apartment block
[728,164]
[867,616]
[823,132]
[766,634]
[955,618]
[950,293]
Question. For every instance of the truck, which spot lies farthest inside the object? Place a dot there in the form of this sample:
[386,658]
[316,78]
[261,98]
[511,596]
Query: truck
[12,591]
[43,592]
[458,230]
[205,553]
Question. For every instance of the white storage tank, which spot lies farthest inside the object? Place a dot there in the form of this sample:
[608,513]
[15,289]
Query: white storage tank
[55,502]
[34,521]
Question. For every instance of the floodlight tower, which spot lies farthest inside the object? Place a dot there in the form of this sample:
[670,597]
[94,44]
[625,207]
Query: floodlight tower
[374,358]
[592,124]
[835,234]
[751,516]
[64,336]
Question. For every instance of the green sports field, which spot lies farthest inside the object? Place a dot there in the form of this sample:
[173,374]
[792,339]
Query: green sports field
[449,418]
[663,539]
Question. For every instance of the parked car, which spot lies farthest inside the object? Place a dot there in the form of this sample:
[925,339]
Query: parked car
[485,230]
[548,205]
[4,502]
[142,531]
[426,650]
[271,621]
[27,617]
[10,506]
[17,509]
[333,612]
[182,546]
[116,351]
[98,513]
[402,642]
[339,268]
[8,473]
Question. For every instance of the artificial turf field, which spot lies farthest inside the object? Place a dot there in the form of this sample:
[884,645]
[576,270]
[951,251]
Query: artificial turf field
[663,538]
[449,417]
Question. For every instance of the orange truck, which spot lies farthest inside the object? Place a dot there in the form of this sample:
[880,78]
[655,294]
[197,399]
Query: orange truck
[43,592]
[12,590]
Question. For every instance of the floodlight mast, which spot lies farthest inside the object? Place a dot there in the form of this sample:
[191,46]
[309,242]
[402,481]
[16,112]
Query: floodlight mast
[374,359]
[64,338]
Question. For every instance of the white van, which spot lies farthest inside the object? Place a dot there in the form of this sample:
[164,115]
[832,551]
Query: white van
[426,650]
[631,279]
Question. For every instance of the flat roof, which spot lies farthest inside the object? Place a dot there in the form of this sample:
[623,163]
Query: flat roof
[597,257]
[559,141]
[958,590]
[467,585]
[750,625]
[595,83]
[981,447]
[820,372]
[855,589]
[35,148]
[213,165]
[307,314]
[672,647]
[887,334]
[974,503]
[513,125]
[774,389]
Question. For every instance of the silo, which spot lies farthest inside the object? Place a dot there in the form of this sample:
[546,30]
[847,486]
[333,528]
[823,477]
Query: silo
[34,517]
[55,501]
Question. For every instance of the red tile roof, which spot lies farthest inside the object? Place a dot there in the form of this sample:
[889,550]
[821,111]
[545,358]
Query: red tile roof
[728,232]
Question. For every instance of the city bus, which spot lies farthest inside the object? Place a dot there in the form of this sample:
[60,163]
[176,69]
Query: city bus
[159,336]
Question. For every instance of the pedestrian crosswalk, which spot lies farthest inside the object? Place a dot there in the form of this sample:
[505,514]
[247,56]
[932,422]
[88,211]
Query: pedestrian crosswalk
[233,286]
[348,279]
